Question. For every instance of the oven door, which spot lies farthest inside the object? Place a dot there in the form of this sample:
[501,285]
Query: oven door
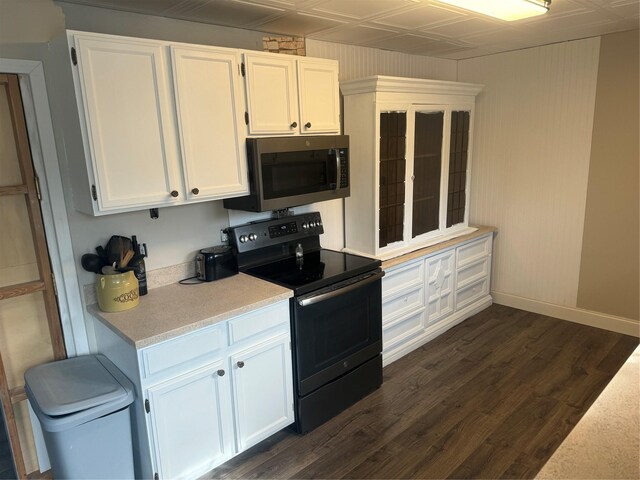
[336,329]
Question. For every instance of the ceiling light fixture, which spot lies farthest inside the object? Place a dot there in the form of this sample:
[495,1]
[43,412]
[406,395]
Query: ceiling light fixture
[508,10]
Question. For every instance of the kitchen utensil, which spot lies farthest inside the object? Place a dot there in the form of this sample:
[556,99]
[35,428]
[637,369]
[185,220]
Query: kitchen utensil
[91,262]
[110,269]
[116,247]
[125,259]
[102,253]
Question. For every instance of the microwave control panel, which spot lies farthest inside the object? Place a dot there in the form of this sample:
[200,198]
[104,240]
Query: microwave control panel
[344,168]
[272,232]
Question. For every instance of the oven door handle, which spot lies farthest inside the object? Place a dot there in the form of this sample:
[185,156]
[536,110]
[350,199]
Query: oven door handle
[306,301]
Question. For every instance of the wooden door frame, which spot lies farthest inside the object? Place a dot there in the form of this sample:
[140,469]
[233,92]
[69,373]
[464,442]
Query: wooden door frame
[54,212]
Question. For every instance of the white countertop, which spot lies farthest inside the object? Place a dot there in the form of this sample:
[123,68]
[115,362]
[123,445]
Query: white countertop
[606,441]
[167,312]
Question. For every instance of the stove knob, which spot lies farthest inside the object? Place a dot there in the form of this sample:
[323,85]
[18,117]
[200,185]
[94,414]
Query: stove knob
[243,239]
[253,237]
[305,225]
[312,224]
[319,223]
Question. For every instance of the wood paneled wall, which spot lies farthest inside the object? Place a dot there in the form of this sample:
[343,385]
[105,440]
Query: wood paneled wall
[531,163]
[358,62]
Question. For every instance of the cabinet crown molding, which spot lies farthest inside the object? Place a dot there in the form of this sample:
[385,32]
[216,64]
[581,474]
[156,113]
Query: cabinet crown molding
[383,83]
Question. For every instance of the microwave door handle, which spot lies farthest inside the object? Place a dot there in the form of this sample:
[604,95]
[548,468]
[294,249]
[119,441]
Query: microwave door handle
[334,185]
[303,302]
[337,168]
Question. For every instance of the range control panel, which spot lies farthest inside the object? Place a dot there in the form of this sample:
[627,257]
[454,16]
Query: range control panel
[272,232]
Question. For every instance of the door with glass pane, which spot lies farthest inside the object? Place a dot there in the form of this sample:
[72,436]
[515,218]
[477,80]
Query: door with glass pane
[391,174]
[30,331]
[427,171]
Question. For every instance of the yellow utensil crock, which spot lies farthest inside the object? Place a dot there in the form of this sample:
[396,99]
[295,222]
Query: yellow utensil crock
[117,292]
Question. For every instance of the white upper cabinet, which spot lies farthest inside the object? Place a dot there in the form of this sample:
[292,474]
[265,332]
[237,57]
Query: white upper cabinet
[319,96]
[130,141]
[210,120]
[162,123]
[291,95]
[272,94]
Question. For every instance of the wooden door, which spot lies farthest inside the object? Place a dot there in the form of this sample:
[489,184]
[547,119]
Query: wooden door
[30,330]
[272,94]
[319,98]
[262,390]
[210,120]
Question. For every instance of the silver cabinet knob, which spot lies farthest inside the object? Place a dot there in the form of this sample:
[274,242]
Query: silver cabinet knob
[220,373]
[240,364]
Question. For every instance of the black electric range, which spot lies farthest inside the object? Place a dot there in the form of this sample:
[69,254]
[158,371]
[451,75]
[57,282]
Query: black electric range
[317,269]
[336,312]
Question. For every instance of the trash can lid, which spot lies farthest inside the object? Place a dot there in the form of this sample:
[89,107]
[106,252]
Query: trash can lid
[73,385]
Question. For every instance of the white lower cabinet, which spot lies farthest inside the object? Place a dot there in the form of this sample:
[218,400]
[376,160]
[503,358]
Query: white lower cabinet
[424,297]
[263,396]
[205,396]
[190,424]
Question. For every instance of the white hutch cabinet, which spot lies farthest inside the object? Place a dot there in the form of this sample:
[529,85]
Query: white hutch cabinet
[410,152]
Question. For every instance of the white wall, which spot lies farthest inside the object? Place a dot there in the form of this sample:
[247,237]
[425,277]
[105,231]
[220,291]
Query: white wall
[531,163]
[358,62]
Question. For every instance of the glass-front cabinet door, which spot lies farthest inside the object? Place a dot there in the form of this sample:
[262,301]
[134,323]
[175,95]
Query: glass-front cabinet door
[422,172]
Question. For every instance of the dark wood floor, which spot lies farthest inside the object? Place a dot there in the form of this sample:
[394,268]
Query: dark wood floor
[491,398]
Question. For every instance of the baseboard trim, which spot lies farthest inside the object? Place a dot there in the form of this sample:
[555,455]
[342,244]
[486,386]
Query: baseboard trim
[571,314]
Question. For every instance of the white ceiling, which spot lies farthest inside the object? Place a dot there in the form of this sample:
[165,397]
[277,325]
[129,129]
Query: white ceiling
[420,27]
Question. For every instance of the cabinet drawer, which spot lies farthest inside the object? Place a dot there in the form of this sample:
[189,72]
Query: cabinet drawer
[401,329]
[473,272]
[246,326]
[404,277]
[402,304]
[473,251]
[191,347]
[467,295]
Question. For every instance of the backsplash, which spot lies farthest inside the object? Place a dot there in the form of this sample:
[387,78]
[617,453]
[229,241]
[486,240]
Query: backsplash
[159,277]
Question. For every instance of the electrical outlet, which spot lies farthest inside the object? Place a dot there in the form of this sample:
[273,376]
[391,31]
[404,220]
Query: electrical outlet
[224,237]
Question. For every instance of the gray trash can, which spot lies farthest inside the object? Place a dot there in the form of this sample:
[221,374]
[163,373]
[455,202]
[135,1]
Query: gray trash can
[83,406]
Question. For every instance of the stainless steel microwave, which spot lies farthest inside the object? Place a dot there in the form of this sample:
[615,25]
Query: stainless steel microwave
[291,171]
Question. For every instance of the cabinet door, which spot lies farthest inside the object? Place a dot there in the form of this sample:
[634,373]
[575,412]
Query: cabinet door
[319,99]
[191,425]
[440,286]
[392,170]
[272,94]
[427,172]
[263,390]
[128,122]
[210,111]
[458,167]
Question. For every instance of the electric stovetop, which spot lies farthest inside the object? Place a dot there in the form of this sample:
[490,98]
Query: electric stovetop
[318,269]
